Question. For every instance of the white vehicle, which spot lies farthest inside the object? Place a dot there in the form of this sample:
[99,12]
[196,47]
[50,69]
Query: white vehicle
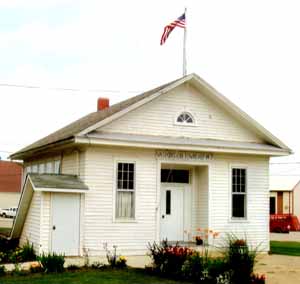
[8,212]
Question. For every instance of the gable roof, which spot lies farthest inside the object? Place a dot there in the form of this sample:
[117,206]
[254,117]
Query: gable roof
[93,120]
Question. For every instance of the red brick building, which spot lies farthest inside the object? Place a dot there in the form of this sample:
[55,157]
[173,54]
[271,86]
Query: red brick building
[10,183]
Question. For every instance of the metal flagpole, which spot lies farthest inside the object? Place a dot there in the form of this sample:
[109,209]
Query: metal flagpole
[184,46]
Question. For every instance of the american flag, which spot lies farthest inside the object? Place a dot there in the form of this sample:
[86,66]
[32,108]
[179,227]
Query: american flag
[179,22]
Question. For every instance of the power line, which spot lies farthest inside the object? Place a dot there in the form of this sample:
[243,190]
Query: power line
[64,89]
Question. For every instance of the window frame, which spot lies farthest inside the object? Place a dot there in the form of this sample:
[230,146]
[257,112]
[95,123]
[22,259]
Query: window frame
[116,190]
[231,193]
[193,124]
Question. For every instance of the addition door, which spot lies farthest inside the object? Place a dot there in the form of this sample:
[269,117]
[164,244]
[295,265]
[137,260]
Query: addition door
[65,223]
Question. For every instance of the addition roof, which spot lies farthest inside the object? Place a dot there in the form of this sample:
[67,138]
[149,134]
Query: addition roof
[57,181]
[43,182]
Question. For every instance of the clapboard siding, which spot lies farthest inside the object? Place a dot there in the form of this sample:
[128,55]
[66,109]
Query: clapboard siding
[200,200]
[31,230]
[46,222]
[70,163]
[256,227]
[100,226]
[158,117]
[202,204]
[210,199]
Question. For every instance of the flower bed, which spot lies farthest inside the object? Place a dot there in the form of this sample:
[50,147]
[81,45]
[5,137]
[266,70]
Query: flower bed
[11,253]
[235,266]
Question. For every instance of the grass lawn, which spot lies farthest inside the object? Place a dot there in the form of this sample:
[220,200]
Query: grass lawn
[286,248]
[130,276]
[5,231]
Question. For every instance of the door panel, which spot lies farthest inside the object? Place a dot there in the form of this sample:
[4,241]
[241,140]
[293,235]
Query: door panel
[65,223]
[171,225]
[279,202]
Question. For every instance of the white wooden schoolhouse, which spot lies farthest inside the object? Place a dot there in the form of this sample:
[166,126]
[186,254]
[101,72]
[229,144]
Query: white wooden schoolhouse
[158,165]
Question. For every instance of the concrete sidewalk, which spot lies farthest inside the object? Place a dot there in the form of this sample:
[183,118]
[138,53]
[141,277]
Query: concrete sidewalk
[279,268]
[290,237]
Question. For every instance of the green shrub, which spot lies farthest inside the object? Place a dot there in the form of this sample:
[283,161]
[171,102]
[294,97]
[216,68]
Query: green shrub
[73,267]
[27,252]
[217,266]
[240,259]
[8,245]
[192,267]
[22,254]
[2,270]
[52,262]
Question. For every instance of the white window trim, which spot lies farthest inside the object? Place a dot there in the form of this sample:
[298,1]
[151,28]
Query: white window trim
[238,219]
[115,188]
[45,162]
[193,124]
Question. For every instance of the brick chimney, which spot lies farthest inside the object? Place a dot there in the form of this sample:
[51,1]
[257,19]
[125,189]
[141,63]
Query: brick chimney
[102,104]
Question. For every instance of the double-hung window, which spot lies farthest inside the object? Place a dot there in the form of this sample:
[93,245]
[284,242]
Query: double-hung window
[125,195]
[239,192]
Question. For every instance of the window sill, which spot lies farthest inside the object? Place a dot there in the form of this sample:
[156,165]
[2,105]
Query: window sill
[185,124]
[239,220]
[125,221]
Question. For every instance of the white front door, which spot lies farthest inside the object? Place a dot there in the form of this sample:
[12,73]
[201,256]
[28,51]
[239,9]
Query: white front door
[171,225]
[65,223]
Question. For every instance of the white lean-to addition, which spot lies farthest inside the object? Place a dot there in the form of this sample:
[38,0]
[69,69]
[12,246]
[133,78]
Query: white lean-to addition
[131,173]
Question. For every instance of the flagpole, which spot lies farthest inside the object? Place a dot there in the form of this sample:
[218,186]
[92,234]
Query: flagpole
[184,71]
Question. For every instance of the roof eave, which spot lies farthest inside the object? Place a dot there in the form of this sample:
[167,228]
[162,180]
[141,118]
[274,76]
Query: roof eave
[39,150]
[138,144]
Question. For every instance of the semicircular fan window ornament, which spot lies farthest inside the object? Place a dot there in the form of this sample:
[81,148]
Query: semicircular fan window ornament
[185,117]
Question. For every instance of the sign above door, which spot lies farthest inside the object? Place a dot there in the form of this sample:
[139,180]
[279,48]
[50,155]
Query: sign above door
[183,155]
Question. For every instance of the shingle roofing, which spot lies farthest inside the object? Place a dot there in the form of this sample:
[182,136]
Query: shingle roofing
[45,181]
[79,125]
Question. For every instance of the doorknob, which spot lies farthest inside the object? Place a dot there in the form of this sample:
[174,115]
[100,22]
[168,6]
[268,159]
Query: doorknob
[53,228]
[163,216]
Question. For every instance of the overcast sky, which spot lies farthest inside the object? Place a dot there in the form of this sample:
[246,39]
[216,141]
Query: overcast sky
[248,50]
